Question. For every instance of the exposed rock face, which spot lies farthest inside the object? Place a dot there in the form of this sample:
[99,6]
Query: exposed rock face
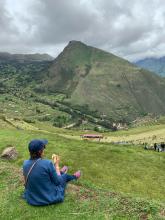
[9,153]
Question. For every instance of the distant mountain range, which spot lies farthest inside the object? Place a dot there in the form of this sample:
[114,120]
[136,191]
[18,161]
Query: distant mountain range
[93,81]
[156,65]
[6,57]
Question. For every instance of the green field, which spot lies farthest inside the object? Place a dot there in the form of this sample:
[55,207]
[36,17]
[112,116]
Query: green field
[85,90]
[118,181]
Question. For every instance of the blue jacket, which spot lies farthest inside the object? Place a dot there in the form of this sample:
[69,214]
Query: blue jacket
[44,186]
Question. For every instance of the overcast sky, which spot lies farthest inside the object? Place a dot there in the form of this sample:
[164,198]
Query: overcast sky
[132,29]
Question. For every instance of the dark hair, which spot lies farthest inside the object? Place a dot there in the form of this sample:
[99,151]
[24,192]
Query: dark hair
[35,155]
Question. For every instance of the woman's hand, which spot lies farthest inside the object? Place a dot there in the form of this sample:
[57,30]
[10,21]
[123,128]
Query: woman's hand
[54,158]
[57,159]
[57,165]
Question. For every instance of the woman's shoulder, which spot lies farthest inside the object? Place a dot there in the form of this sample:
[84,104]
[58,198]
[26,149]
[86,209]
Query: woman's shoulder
[46,161]
[26,162]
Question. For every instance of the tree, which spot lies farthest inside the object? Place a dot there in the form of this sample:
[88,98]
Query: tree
[59,121]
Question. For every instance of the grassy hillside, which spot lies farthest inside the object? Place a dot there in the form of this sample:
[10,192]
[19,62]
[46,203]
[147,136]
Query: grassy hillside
[118,181]
[84,88]
[106,83]
[134,136]
[94,82]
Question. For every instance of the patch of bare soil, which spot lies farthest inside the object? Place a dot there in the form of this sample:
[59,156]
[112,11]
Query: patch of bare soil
[82,193]
[162,213]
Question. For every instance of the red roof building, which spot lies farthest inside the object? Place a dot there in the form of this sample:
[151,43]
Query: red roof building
[92,136]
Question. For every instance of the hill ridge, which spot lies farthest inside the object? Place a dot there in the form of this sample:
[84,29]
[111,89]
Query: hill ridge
[93,80]
[80,70]
[5,56]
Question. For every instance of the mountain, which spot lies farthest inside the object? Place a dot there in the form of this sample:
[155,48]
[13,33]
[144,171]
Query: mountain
[90,82]
[156,65]
[104,82]
[7,57]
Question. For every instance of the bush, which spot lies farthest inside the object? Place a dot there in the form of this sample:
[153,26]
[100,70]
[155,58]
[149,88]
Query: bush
[45,118]
[60,121]
[29,120]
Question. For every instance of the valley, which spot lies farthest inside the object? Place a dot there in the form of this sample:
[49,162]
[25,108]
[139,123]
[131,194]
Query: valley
[85,91]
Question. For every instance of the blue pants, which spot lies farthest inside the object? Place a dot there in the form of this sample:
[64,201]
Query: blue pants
[67,178]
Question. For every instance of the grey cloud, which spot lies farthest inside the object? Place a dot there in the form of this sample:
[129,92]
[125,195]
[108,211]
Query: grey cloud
[7,29]
[132,29]
[61,21]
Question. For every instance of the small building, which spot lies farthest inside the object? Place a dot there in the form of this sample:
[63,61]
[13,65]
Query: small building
[92,136]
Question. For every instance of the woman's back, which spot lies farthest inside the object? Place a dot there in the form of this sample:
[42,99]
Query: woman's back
[43,186]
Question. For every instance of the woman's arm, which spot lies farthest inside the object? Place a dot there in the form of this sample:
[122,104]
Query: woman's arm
[56,160]
[57,169]
[55,175]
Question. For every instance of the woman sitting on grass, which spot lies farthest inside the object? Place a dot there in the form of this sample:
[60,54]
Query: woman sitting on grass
[45,183]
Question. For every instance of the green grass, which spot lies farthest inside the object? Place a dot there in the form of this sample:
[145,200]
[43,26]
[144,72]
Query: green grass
[80,203]
[137,136]
[15,107]
[118,182]
[124,169]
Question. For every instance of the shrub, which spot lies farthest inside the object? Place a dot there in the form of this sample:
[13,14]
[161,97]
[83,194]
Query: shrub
[60,121]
